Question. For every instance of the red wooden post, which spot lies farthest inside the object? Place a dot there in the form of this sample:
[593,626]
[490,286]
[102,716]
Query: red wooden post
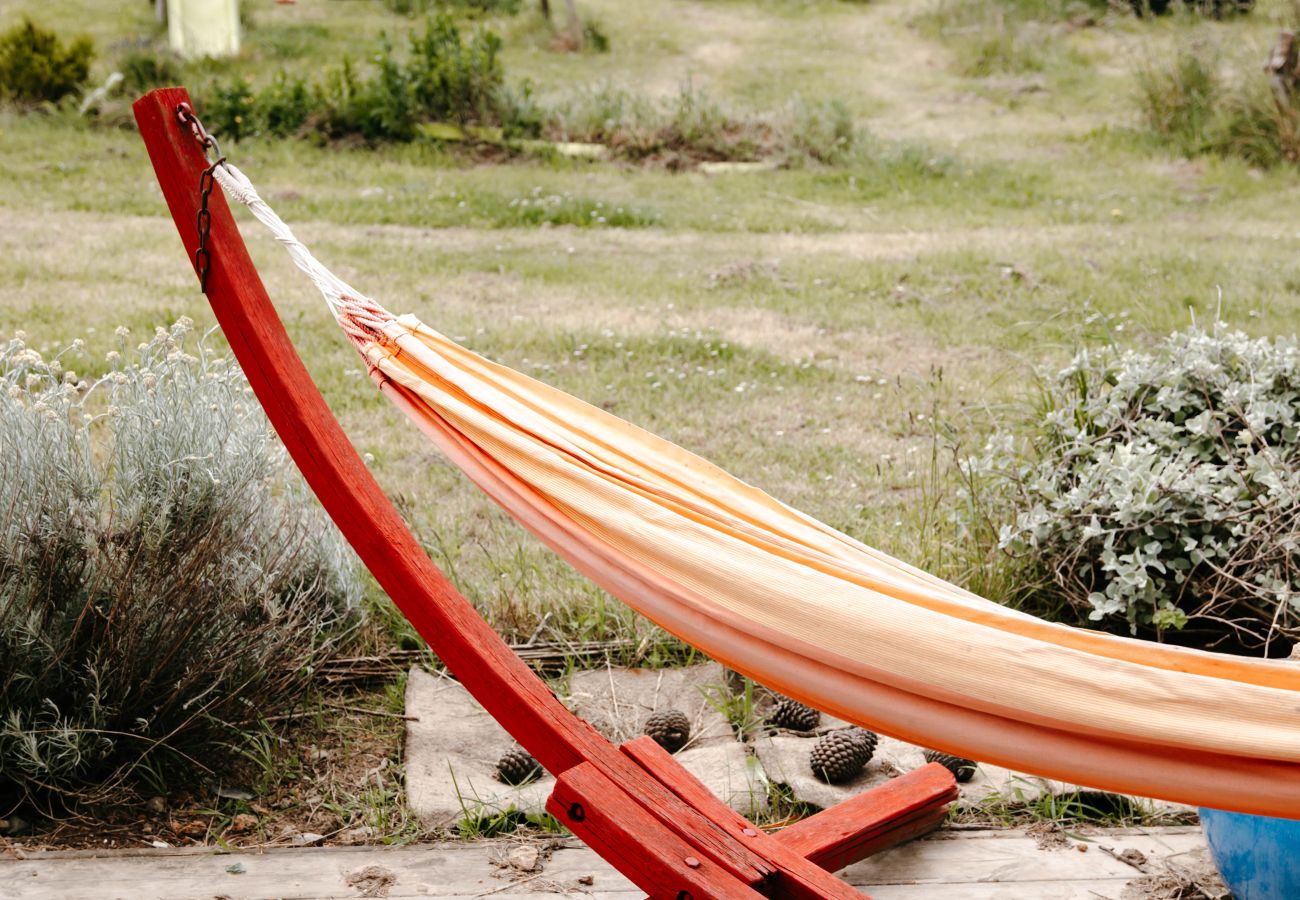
[621,831]
[876,820]
[830,840]
[505,686]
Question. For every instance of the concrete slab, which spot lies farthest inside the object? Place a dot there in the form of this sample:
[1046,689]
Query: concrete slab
[618,701]
[453,745]
[784,757]
[452,748]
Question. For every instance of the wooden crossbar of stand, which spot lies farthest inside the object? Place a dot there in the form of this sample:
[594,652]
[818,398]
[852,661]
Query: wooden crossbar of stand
[639,808]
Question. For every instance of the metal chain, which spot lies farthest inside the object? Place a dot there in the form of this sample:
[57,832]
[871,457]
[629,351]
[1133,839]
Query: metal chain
[202,255]
[212,152]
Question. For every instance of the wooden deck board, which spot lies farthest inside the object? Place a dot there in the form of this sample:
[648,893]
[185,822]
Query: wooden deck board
[980,865]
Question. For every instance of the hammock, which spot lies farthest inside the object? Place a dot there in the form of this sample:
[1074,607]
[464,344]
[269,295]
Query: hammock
[815,614]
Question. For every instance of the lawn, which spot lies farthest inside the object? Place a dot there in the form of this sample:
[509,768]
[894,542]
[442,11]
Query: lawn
[833,334]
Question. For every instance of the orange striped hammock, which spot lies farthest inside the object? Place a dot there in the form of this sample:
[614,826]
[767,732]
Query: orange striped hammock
[809,611]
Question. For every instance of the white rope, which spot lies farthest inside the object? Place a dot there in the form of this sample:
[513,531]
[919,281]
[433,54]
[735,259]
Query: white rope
[345,302]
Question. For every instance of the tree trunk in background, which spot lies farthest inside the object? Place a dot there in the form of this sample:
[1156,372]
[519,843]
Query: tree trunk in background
[546,10]
[1283,68]
[199,28]
[574,24]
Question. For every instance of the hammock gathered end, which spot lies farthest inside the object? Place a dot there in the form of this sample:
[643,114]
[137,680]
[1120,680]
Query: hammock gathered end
[809,611]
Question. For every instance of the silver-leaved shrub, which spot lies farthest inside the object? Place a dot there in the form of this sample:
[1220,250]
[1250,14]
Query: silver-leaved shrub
[163,572]
[1161,488]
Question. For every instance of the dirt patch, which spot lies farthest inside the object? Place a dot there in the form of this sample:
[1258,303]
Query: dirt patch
[1049,836]
[372,881]
[1187,876]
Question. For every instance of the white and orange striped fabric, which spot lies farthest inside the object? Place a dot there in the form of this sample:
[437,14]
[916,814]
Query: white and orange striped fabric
[803,608]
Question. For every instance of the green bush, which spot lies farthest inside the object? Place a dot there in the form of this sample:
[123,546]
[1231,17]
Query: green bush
[35,66]
[163,574]
[143,71]
[1160,489]
[442,78]
[421,7]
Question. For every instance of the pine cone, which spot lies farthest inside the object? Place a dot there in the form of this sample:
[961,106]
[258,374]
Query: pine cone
[670,729]
[517,766]
[794,715]
[840,755]
[962,769]
[869,738]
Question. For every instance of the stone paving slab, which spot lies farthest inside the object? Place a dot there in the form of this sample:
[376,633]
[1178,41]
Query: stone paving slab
[453,745]
[618,701]
[451,753]
[784,757]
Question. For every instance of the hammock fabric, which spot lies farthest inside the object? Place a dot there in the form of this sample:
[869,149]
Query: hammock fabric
[815,614]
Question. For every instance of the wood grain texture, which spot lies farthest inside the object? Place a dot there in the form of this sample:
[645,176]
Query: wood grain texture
[470,649]
[875,820]
[797,877]
[621,831]
[971,865]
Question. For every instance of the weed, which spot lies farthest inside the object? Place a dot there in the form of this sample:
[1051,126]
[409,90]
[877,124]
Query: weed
[482,818]
[693,127]
[783,807]
[738,708]
[1179,100]
[261,747]
[1026,804]
[1187,103]
[1007,37]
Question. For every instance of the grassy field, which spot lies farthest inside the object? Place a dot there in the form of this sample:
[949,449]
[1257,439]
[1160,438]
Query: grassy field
[828,333]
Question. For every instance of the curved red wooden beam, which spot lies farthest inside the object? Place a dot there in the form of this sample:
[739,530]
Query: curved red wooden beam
[506,687]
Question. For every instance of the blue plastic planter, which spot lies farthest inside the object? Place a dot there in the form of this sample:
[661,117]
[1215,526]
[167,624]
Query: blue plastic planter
[1257,856]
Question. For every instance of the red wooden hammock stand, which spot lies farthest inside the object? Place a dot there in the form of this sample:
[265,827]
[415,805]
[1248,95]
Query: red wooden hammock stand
[644,813]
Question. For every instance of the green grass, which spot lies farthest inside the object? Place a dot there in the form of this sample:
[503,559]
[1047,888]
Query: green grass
[833,334]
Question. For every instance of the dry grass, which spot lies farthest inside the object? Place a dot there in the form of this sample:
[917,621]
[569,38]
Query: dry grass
[992,229]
